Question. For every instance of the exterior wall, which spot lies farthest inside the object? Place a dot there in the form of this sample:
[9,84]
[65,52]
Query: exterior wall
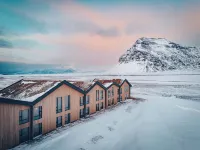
[123,94]
[9,124]
[111,97]
[48,104]
[93,102]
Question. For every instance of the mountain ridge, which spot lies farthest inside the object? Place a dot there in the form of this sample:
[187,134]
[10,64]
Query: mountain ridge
[158,54]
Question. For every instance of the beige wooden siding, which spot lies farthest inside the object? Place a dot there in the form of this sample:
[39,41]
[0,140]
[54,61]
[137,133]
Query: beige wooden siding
[9,124]
[123,92]
[49,107]
[112,97]
[93,102]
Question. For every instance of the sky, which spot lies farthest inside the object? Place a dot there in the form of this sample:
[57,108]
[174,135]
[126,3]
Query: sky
[91,34]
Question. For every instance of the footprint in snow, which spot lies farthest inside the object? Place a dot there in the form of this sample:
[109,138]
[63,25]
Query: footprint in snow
[95,139]
[110,128]
[128,109]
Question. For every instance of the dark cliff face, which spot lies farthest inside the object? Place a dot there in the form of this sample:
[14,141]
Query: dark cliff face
[158,54]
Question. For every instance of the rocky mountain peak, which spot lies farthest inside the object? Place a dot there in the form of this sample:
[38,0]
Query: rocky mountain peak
[160,54]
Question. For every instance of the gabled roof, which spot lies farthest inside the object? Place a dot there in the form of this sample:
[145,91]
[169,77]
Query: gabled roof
[15,89]
[126,82]
[32,102]
[96,83]
[112,85]
[28,90]
[64,82]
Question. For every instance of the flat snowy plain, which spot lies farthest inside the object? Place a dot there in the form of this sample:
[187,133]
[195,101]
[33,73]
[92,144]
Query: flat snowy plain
[168,118]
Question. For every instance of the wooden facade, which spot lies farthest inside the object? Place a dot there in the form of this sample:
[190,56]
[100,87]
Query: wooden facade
[125,91]
[93,99]
[111,99]
[9,124]
[9,110]
[48,104]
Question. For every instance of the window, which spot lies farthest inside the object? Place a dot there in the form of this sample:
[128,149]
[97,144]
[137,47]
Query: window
[37,113]
[97,95]
[23,116]
[24,135]
[97,107]
[37,129]
[58,104]
[118,99]
[67,118]
[109,102]
[101,94]
[81,101]
[120,90]
[126,88]
[109,93]
[88,99]
[67,102]
[112,91]
[81,113]
[101,106]
[87,110]
[113,101]
[59,121]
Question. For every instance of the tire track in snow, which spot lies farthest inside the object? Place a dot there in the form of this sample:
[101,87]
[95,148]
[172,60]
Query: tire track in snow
[189,109]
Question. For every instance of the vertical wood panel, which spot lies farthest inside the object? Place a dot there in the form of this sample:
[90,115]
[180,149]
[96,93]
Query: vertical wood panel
[9,124]
[49,107]
[111,97]
[93,101]
[123,92]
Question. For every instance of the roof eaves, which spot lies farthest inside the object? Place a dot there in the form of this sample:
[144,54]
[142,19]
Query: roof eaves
[96,83]
[127,82]
[56,87]
[12,101]
[112,85]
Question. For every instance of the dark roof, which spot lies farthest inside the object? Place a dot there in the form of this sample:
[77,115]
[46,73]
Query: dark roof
[112,85]
[96,83]
[12,101]
[57,86]
[28,90]
[126,82]
[64,82]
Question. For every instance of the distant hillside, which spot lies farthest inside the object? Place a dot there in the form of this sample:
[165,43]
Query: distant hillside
[10,68]
[157,54]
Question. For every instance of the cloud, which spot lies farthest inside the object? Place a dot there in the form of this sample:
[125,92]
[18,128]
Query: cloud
[5,44]
[110,32]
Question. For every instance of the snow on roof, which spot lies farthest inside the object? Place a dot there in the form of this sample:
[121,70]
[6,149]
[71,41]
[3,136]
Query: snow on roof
[108,84]
[28,90]
[84,85]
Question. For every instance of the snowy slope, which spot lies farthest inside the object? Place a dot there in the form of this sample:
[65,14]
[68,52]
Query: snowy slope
[157,54]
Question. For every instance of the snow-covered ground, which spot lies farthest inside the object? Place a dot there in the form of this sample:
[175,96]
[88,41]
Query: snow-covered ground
[169,118]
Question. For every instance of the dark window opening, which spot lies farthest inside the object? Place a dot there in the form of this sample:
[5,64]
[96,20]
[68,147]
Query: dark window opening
[67,118]
[81,113]
[23,116]
[88,99]
[59,121]
[67,103]
[87,110]
[37,113]
[101,107]
[24,135]
[81,101]
[37,129]
[58,104]
[97,107]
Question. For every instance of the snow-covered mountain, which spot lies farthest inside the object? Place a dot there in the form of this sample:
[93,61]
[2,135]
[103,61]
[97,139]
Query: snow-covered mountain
[157,54]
